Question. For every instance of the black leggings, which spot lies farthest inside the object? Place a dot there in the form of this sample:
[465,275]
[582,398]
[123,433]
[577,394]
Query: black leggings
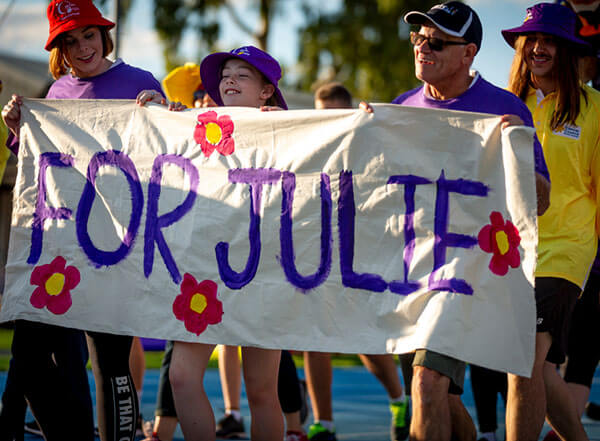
[49,368]
[288,385]
[116,397]
[486,385]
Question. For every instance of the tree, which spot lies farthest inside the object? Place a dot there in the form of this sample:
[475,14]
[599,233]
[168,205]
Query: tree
[173,17]
[365,45]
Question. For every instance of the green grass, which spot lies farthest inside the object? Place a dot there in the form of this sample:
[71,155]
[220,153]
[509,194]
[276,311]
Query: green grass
[154,358]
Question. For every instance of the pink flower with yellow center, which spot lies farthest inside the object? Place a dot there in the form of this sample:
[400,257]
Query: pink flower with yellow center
[502,240]
[197,305]
[55,283]
[213,132]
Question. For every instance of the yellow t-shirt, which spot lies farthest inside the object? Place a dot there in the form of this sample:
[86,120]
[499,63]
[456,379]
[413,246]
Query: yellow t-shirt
[4,152]
[568,231]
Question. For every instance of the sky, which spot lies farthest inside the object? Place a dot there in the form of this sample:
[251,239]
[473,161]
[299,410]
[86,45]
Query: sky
[25,30]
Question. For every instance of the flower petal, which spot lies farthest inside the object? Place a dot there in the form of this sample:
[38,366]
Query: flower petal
[513,257]
[226,125]
[497,219]
[189,284]
[39,297]
[72,277]
[485,239]
[195,322]
[498,265]
[226,146]
[214,312]
[40,274]
[60,304]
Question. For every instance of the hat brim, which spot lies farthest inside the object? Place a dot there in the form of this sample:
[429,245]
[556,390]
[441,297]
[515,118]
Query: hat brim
[510,35]
[419,18]
[69,25]
[210,74]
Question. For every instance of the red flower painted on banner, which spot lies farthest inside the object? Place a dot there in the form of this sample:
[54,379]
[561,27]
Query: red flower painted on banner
[197,305]
[502,239]
[55,283]
[214,132]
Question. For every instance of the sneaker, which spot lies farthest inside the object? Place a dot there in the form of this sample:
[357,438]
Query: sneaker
[304,405]
[316,432]
[592,410]
[400,420]
[33,427]
[292,435]
[230,428]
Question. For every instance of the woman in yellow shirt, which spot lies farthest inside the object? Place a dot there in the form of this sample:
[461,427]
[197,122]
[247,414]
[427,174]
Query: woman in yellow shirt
[566,115]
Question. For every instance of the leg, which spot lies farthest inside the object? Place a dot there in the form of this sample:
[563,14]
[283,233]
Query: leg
[49,363]
[116,399]
[463,428]
[317,366]
[230,373]
[384,368]
[14,406]
[526,403]
[431,412]
[188,366]
[165,421]
[137,365]
[260,375]
[484,383]
[288,390]
[561,412]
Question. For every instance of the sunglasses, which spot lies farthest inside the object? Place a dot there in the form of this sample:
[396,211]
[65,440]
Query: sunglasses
[435,44]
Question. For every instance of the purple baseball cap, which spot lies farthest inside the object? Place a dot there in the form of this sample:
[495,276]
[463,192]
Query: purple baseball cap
[211,66]
[548,18]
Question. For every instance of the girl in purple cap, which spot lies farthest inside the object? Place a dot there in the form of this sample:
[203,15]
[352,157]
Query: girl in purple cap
[50,360]
[566,114]
[246,77]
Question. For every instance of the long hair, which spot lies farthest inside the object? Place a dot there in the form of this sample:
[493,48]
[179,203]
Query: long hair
[565,75]
[57,63]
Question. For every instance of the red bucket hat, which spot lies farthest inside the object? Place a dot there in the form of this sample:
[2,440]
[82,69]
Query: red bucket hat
[66,15]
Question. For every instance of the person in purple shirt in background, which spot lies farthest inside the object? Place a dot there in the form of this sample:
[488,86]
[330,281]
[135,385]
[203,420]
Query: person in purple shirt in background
[48,363]
[449,37]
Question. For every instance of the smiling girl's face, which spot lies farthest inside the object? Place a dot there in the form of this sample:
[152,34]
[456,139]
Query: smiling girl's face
[84,51]
[243,85]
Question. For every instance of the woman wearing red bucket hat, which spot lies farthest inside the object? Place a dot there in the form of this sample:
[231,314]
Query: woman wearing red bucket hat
[566,114]
[79,43]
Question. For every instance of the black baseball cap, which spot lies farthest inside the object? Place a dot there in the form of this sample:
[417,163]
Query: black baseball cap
[453,18]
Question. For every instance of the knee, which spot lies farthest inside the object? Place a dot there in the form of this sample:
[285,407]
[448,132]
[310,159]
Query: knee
[177,377]
[429,385]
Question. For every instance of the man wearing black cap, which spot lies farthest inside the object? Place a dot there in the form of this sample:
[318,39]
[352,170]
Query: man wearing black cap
[449,37]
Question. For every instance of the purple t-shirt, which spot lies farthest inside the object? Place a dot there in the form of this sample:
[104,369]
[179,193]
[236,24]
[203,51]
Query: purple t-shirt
[482,97]
[121,81]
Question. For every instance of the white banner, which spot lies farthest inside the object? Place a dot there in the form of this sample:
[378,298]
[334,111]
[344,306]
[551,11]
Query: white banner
[336,231]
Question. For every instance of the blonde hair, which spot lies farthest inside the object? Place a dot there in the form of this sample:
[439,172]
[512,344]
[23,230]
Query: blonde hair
[57,62]
[565,75]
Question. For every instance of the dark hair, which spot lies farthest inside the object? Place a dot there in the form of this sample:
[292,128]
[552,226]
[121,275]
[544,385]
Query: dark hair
[334,92]
[57,64]
[565,74]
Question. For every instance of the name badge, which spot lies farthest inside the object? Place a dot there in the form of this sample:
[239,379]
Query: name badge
[569,131]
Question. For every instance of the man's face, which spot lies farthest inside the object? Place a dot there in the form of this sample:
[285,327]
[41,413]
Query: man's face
[540,54]
[436,66]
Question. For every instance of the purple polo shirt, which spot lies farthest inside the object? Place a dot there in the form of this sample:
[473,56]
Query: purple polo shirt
[481,97]
[121,81]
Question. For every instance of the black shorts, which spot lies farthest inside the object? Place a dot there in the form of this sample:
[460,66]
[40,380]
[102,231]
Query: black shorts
[555,299]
